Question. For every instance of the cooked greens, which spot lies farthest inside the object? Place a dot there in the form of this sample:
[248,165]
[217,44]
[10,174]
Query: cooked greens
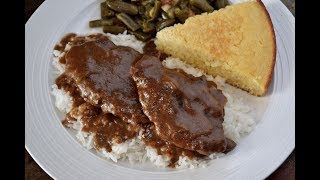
[143,18]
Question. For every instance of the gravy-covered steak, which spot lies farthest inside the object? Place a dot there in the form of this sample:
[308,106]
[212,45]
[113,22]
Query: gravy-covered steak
[101,71]
[186,110]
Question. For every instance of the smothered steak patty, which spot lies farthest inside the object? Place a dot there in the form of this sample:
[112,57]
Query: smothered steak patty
[186,110]
[101,70]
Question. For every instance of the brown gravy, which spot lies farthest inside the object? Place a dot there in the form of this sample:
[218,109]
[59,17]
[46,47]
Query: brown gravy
[101,71]
[64,41]
[151,49]
[72,39]
[108,128]
[97,75]
[150,138]
[187,111]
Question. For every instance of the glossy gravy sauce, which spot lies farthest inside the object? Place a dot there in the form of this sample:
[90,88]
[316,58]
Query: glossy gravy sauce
[97,75]
[187,111]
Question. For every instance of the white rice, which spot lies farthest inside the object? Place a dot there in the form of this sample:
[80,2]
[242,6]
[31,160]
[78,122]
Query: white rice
[239,117]
[125,39]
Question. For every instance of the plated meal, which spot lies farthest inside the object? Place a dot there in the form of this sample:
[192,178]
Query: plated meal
[161,83]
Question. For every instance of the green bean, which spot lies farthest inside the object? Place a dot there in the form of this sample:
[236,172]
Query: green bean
[202,4]
[100,22]
[106,22]
[154,12]
[164,23]
[114,29]
[140,35]
[182,15]
[170,13]
[146,2]
[105,11]
[147,27]
[183,4]
[176,2]
[148,10]
[141,10]
[195,10]
[220,4]
[143,18]
[117,22]
[164,15]
[139,20]
[95,23]
[128,21]
[122,7]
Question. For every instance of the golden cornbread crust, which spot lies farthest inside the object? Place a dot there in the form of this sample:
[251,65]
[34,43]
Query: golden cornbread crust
[236,42]
[274,44]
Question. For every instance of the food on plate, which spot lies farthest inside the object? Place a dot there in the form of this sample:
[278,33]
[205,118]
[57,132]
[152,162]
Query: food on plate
[100,71]
[151,49]
[236,43]
[105,99]
[187,111]
[103,105]
[158,101]
[106,127]
[143,18]
[83,90]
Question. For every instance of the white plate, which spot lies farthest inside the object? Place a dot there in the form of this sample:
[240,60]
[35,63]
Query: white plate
[62,157]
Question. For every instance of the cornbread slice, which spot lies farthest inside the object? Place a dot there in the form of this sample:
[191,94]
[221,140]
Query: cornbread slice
[237,43]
